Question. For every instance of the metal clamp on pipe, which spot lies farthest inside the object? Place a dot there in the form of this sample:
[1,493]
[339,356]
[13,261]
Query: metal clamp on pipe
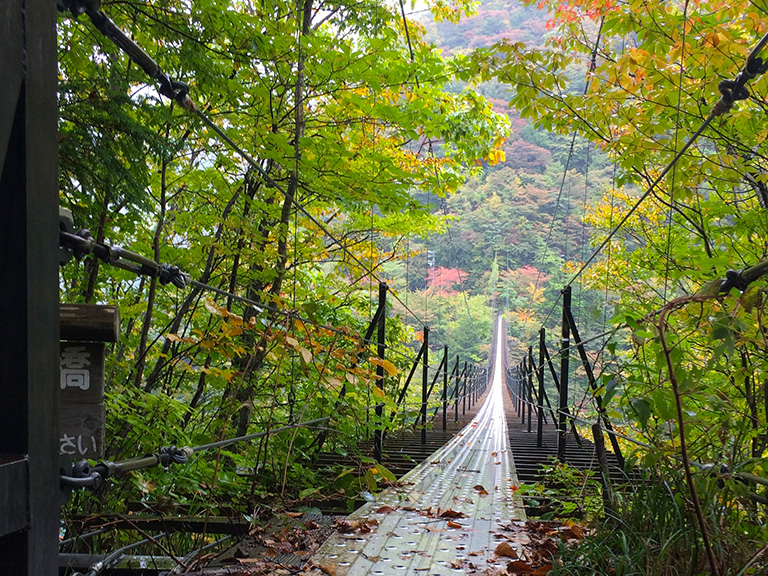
[733,90]
[81,244]
[84,475]
[169,88]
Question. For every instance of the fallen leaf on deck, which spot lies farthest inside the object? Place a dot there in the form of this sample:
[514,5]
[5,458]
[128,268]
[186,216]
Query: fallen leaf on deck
[330,570]
[481,489]
[385,510]
[505,549]
[452,524]
[520,567]
[449,513]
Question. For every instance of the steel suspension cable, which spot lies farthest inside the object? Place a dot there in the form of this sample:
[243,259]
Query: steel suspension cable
[731,91]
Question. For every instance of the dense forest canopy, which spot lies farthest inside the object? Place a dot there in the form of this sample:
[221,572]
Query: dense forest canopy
[471,156]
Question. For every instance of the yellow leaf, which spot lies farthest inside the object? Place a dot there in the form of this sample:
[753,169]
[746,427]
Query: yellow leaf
[335,382]
[386,364]
[292,342]
[379,393]
[306,355]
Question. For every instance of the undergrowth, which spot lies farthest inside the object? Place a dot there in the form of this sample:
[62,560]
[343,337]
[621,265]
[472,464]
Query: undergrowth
[651,531]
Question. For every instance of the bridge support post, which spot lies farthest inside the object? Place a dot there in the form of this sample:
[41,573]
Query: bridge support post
[445,387]
[540,377]
[593,384]
[530,387]
[565,344]
[424,386]
[378,434]
[29,303]
[523,391]
[464,391]
[456,390]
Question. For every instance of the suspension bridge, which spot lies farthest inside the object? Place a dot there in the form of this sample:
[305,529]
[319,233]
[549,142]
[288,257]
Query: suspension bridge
[447,515]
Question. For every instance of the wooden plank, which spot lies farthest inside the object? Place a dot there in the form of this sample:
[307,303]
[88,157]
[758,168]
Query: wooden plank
[12,70]
[81,430]
[14,480]
[89,323]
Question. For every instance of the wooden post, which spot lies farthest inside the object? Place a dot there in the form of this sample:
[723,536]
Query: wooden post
[29,309]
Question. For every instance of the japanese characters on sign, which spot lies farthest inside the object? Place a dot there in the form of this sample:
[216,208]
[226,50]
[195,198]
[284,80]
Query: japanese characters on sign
[81,411]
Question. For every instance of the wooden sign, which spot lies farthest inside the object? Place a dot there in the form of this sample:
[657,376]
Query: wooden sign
[82,416]
[81,410]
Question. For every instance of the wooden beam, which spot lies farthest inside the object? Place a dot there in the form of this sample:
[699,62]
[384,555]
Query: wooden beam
[89,323]
[14,479]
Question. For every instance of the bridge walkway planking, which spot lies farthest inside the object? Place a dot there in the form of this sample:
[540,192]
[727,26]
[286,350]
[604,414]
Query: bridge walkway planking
[446,514]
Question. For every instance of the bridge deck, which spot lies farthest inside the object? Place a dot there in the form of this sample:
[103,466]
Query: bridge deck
[446,515]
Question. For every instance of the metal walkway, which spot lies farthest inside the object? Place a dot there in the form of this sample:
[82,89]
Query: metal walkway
[446,512]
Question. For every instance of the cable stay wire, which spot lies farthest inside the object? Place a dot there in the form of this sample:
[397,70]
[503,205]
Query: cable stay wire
[180,92]
[590,69]
[82,244]
[730,92]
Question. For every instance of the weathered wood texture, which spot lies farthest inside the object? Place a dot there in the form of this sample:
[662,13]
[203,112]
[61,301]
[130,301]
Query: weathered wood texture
[89,323]
[29,379]
[82,417]
[82,430]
